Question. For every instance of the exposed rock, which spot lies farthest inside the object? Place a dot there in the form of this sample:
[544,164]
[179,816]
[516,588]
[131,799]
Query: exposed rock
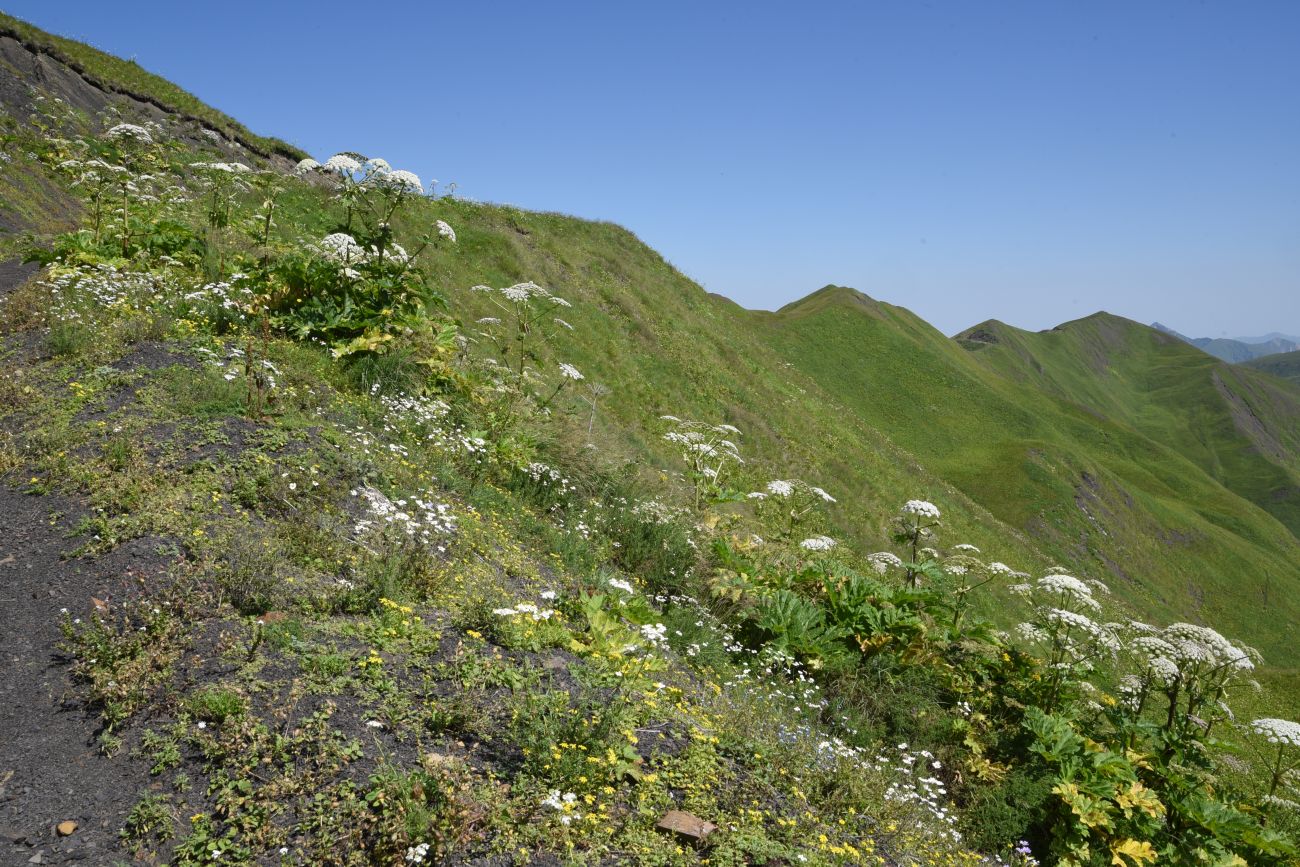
[686,825]
[65,829]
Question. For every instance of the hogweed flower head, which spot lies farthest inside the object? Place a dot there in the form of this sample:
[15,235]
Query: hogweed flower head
[129,131]
[818,543]
[342,164]
[1277,731]
[922,509]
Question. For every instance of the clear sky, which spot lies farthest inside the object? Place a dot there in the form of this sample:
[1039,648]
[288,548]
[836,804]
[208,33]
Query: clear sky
[1027,161]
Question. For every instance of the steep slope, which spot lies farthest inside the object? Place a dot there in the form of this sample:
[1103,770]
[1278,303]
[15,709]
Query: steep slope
[1285,365]
[90,79]
[1057,454]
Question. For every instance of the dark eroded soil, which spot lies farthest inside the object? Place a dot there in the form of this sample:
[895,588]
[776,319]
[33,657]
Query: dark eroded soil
[51,768]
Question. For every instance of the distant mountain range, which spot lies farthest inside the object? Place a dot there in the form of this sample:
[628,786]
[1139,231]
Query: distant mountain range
[1238,349]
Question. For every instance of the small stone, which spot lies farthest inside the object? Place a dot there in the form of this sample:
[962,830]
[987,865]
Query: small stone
[65,829]
[555,663]
[686,825]
[38,858]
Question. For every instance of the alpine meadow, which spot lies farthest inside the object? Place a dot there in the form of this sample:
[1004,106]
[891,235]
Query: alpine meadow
[345,520]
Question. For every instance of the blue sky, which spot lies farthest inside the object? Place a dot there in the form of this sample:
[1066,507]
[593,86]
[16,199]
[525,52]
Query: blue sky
[1027,161]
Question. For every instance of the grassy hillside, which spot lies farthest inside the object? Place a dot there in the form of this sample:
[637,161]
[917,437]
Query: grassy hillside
[1285,365]
[329,537]
[1058,449]
[1241,428]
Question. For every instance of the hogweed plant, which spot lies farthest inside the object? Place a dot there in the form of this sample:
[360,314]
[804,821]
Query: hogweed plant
[1285,735]
[528,321]
[915,524]
[710,453]
[1061,624]
[1192,667]
[789,504]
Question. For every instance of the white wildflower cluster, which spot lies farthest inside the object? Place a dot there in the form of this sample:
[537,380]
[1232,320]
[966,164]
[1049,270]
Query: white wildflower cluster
[655,512]
[1069,590]
[417,853]
[546,476]
[399,180]
[707,448]
[412,409]
[1075,625]
[233,295]
[419,518]
[568,371]
[882,561]
[129,132]
[79,291]
[342,248]
[229,168]
[445,230]
[1072,639]
[522,293]
[374,173]
[655,634]
[564,803]
[620,584]
[921,509]
[1277,731]
[342,164]
[796,493]
[234,364]
[1202,646]
[818,543]
[526,609]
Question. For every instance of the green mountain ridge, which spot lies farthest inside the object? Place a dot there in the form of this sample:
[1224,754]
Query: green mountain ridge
[1062,434]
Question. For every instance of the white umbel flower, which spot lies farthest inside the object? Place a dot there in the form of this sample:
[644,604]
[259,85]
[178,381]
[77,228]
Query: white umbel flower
[818,543]
[1278,731]
[129,131]
[445,230]
[568,371]
[342,164]
[922,509]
